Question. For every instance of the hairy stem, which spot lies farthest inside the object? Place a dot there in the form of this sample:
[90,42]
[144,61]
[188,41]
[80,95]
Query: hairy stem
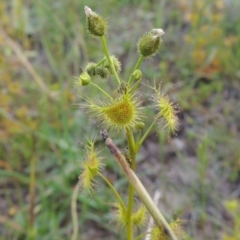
[104,43]
[138,187]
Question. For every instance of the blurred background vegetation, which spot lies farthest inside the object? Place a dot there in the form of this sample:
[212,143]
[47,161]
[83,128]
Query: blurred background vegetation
[44,43]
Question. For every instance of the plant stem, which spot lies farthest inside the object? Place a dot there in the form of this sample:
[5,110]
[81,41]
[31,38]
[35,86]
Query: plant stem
[99,63]
[129,212]
[113,189]
[74,212]
[95,85]
[138,187]
[139,144]
[131,146]
[138,64]
[104,43]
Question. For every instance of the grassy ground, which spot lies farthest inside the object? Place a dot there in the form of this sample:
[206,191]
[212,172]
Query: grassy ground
[43,44]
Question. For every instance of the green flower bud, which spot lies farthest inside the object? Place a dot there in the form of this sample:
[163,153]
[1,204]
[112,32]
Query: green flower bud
[95,23]
[150,42]
[116,64]
[91,69]
[84,79]
[137,74]
[102,72]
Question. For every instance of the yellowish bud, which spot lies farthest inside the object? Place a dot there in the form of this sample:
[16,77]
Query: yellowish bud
[150,42]
[137,74]
[84,79]
[95,23]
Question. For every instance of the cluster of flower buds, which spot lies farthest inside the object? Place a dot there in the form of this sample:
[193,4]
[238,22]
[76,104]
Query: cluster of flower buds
[102,69]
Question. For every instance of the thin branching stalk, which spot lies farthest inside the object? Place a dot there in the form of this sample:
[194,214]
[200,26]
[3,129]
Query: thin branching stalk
[113,189]
[137,66]
[100,89]
[131,146]
[129,212]
[139,144]
[101,62]
[138,187]
[104,43]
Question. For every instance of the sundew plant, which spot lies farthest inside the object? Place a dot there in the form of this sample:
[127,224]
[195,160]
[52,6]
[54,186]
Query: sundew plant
[123,113]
